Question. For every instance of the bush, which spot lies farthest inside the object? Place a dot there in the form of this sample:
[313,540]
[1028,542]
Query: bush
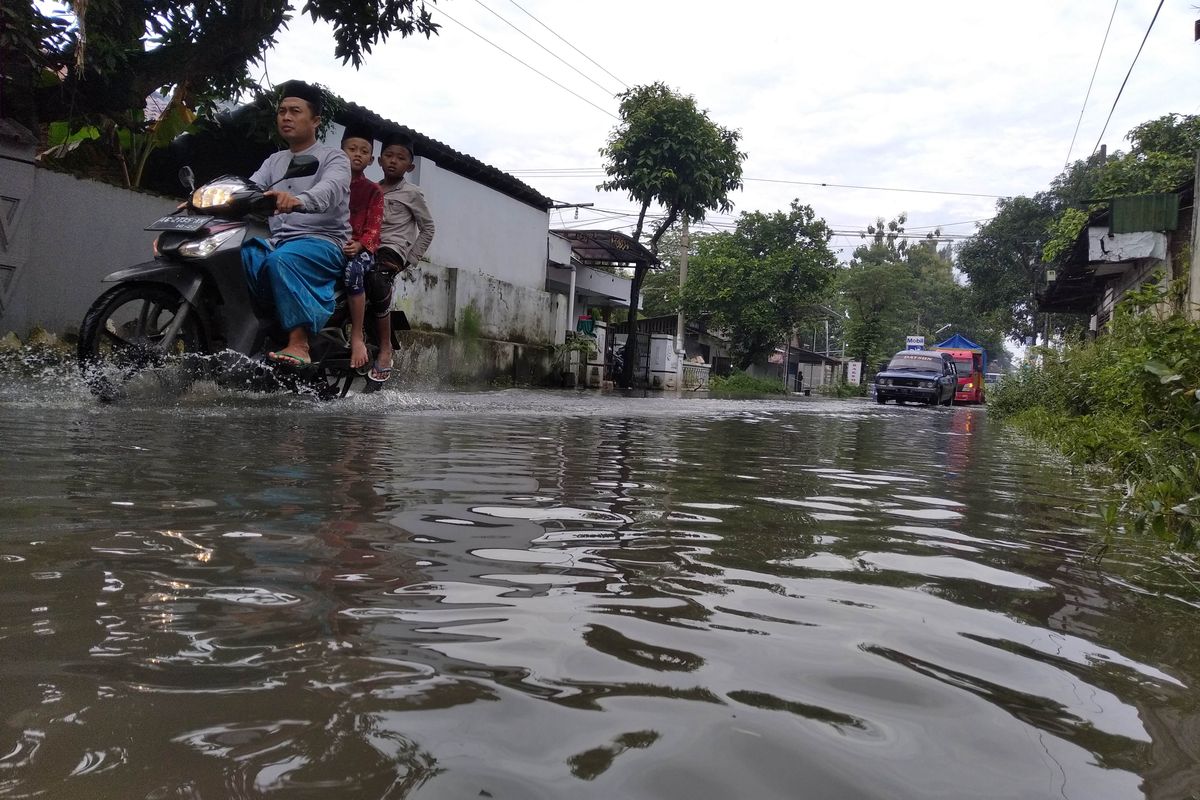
[739,383]
[842,390]
[1128,401]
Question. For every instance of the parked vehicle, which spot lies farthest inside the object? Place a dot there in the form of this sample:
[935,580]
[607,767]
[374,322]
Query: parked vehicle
[921,376]
[192,306]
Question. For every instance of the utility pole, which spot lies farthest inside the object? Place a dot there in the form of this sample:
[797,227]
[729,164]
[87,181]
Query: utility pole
[680,348]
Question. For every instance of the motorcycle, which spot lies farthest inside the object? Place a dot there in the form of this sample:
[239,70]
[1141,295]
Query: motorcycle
[192,306]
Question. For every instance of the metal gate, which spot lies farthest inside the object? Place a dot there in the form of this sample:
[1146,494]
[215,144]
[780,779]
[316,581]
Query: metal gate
[641,369]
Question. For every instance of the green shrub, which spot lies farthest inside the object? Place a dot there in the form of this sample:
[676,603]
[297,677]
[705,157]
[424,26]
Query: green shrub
[1129,401]
[841,390]
[739,383]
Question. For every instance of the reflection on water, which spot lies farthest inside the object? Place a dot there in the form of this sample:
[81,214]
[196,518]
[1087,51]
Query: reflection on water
[526,595]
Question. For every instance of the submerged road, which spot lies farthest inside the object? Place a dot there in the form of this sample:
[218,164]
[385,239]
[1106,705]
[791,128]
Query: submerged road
[527,594]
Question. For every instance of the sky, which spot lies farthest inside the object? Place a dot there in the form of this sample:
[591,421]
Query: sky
[972,100]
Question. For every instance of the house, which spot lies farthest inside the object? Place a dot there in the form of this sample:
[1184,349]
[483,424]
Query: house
[585,267]
[806,369]
[1124,244]
[659,366]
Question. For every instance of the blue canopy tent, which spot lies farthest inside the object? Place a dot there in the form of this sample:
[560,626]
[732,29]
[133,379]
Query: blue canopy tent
[960,342]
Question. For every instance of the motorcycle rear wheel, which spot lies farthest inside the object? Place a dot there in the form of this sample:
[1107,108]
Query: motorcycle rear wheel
[123,334]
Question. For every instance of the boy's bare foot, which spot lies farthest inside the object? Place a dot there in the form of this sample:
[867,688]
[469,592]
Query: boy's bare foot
[381,370]
[358,354]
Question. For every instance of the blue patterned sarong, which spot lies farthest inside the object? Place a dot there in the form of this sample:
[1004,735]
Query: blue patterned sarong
[298,278]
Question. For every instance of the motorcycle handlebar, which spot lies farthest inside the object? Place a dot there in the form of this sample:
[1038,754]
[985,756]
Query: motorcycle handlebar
[266,204]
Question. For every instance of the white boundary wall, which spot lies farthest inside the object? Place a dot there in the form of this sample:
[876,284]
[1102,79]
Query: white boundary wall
[62,234]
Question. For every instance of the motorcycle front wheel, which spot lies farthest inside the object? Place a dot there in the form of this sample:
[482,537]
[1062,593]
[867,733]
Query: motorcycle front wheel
[125,332]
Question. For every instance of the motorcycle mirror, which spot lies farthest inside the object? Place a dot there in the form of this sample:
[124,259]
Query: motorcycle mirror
[301,167]
[187,178]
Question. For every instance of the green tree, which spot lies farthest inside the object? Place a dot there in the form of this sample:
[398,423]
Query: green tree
[757,281]
[895,286]
[660,290]
[1003,261]
[666,150]
[117,52]
[877,289]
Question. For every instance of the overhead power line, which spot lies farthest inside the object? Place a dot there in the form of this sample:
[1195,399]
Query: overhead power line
[874,188]
[1103,42]
[586,172]
[1127,74]
[568,44]
[548,50]
[442,11]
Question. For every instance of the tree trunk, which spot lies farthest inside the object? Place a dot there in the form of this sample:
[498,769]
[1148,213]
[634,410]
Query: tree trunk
[635,292]
[631,342]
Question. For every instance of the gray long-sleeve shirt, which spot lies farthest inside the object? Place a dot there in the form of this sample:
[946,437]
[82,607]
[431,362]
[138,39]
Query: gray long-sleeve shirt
[326,194]
[407,223]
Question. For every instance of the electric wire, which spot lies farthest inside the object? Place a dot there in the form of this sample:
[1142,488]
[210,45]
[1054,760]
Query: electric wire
[442,11]
[875,188]
[568,44]
[1100,138]
[731,221]
[583,75]
[585,172]
[1090,82]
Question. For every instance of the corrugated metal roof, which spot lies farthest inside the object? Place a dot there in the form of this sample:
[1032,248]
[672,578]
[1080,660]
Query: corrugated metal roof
[594,247]
[1145,212]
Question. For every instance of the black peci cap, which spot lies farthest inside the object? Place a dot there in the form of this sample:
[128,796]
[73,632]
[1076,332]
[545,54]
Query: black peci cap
[305,91]
[399,139]
[359,131]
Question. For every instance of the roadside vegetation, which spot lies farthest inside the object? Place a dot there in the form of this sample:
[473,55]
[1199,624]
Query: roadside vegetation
[842,390]
[739,384]
[1128,401]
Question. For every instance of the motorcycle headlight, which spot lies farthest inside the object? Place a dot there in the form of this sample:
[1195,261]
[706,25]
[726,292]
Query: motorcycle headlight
[212,195]
[201,248]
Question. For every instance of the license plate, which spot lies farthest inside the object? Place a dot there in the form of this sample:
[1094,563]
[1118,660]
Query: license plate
[179,222]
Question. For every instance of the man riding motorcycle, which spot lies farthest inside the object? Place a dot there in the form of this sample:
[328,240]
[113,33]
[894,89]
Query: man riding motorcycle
[296,270]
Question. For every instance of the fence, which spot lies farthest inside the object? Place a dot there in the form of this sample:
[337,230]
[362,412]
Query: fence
[695,376]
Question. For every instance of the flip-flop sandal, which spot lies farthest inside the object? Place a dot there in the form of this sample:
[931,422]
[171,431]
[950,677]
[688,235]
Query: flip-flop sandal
[379,374]
[287,359]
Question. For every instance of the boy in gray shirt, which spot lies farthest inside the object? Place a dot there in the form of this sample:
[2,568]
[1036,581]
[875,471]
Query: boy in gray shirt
[405,236]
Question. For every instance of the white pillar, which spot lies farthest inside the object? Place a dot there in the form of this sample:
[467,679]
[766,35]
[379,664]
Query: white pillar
[571,321]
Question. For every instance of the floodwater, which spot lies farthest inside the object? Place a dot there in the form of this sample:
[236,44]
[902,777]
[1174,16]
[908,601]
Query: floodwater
[530,595]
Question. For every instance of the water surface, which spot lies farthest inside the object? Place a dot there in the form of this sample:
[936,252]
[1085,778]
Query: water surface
[542,595]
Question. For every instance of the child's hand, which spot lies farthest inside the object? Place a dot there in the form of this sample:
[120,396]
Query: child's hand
[352,248]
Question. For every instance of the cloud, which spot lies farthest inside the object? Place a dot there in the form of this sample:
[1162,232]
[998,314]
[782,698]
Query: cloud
[961,97]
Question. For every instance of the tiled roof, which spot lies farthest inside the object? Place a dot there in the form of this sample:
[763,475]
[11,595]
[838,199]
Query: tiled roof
[447,157]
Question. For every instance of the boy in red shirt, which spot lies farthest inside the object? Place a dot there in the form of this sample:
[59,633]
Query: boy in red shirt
[366,219]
